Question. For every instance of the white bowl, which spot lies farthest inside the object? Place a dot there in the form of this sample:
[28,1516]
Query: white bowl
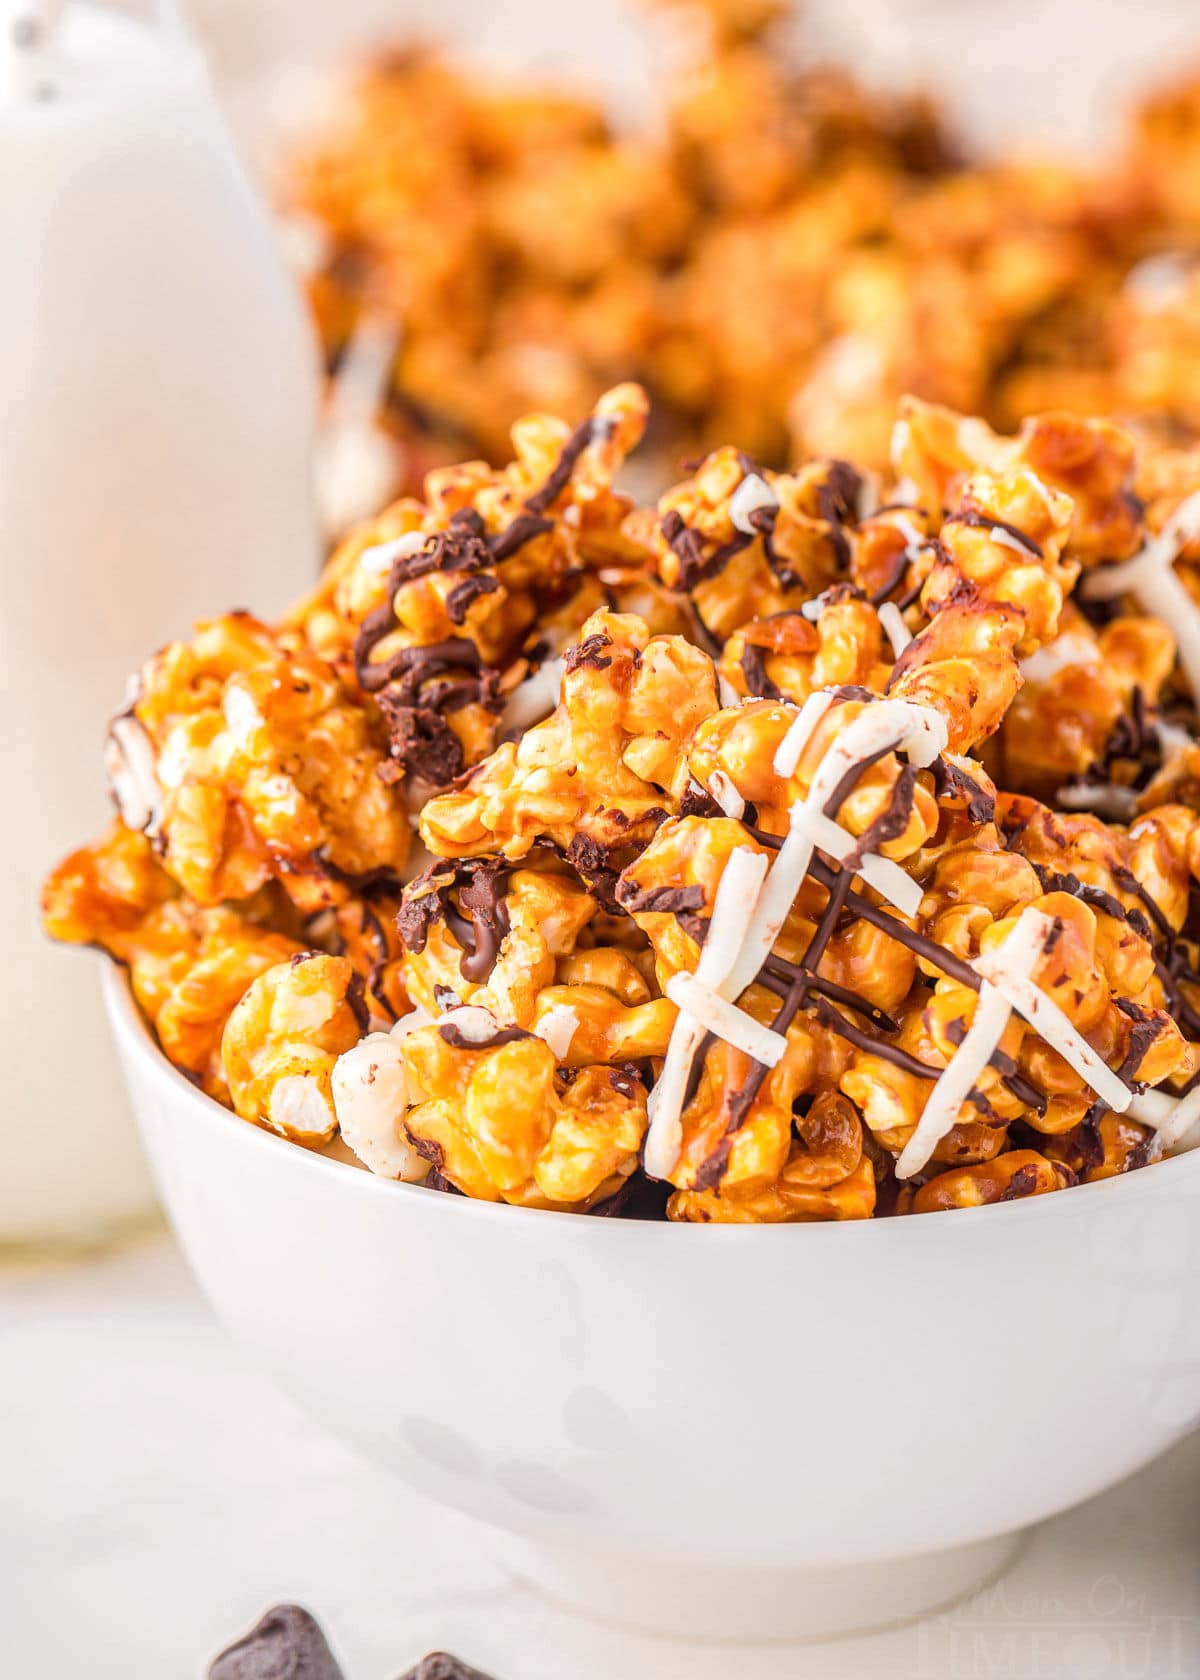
[764,1431]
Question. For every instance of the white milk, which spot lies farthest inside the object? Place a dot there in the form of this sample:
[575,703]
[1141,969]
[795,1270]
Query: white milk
[157,395]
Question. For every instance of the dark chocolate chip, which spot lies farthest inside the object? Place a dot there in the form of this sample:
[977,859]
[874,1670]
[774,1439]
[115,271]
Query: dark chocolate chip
[287,1644]
[440,1665]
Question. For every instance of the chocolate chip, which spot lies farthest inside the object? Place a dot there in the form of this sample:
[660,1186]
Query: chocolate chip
[287,1644]
[440,1665]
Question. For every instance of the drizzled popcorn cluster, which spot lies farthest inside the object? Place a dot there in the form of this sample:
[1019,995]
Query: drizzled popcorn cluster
[778,255]
[810,845]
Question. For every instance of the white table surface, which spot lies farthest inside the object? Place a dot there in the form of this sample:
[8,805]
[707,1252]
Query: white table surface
[157,1493]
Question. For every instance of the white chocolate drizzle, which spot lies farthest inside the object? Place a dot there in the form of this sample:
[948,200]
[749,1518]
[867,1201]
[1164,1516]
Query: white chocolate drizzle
[1173,1119]
[1150,577]
[1008,539]
[1008,986]
[891,620]
[752,904]
[1071,648]
[791,749]
[1108,800]
[722,789]
[725,1020]
[737,890]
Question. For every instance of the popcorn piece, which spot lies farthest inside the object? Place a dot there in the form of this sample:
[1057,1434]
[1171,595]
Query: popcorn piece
[496,1119]
[371,1097]
[607,765]
[266,769]
[282,1040]
[188,966]
[1010,1177]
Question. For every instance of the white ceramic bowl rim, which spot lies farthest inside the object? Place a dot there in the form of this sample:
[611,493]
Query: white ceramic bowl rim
[128,1019]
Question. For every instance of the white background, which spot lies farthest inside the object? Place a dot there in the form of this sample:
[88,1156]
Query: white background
[1013,73]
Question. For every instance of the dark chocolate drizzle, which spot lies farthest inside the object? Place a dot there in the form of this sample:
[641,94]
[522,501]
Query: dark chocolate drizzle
[1095,897]
[416,686]
[951,780]
[670,900]
[837,504]
[974,516]
[523,529]
[585,433]
[688,548]
[481,883]
[754,670]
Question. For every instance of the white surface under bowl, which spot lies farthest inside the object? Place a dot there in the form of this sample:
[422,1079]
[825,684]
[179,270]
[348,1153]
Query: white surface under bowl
[743,1431]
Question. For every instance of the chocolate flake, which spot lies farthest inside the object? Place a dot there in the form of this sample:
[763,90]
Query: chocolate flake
[589,653]
[1023,1183]
[589,859]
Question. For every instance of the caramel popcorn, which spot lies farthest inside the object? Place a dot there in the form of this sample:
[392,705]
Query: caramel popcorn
[778,253]
[245,760]
[282,1039]
[808,847]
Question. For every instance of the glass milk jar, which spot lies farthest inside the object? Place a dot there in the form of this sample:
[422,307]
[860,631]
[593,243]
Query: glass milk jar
[157,393]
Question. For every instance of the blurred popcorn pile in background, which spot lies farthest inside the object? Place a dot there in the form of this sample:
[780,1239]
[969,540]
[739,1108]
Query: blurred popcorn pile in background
[691,195]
